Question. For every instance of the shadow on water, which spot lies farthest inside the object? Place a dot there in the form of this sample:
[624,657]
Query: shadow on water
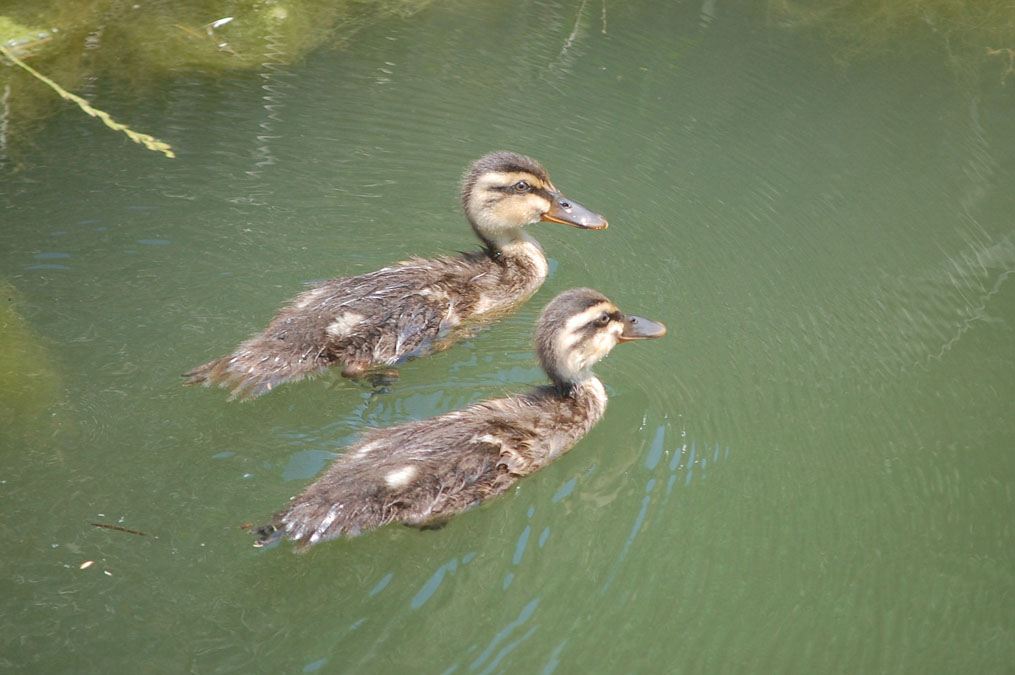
[29,381]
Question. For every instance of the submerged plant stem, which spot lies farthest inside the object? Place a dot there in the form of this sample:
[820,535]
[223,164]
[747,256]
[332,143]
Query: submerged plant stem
[149,142]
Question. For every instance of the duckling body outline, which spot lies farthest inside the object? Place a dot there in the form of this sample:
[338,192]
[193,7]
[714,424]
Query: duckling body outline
[417,306]
[384,478]
[425,471]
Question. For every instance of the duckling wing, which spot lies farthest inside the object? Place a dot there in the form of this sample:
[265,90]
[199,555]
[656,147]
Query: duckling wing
[361,322]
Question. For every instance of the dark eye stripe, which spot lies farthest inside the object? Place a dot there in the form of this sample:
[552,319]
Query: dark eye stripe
[613,316]
[595,326]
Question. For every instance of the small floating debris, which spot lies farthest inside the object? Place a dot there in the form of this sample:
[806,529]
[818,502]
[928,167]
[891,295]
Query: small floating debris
[118,529]
[86,564]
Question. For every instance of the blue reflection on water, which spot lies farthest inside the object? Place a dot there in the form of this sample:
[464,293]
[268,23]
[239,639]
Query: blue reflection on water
[655,452]
[565,489]
[638,521]
[690,464]
[381,585]
[685,456]
[507,650]
[504,633]
[314,666]
[554,661]
[306,464]
[433,583]
[523,541]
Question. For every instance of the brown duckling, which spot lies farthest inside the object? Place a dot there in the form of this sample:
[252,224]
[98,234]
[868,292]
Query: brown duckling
[412,308]
[425,471]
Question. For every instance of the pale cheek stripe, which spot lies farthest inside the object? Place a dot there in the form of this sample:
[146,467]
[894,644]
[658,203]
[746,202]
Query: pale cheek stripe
[495,179]
[579,320]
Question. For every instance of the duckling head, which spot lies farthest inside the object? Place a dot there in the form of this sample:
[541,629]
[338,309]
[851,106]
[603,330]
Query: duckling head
[502,192]
[579,328]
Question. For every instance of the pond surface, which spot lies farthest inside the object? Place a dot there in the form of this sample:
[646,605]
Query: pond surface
[812,472]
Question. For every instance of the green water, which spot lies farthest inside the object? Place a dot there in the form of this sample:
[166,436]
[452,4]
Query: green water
[812,472]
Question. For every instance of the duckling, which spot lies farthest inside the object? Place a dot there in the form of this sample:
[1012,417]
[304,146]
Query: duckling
[417,306]
[423,472]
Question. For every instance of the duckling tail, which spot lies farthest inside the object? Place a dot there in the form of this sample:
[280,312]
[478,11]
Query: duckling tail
[203,373]
[248,374]
[266,534]
[243,386]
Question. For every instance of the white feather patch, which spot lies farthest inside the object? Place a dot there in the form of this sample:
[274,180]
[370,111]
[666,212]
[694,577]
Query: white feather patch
[489,439]
[399,478]
[344,324]
[310,297]
[367,449]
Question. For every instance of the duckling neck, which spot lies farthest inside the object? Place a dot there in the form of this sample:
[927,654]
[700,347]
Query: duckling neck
[523,249]
[590,387]
[523,245]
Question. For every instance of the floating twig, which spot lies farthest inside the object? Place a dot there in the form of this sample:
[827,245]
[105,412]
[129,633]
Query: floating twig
[149,142]
[190,31]
[119,529]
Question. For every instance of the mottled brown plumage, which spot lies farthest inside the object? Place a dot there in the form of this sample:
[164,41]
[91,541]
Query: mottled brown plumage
[425,471]
[416,307]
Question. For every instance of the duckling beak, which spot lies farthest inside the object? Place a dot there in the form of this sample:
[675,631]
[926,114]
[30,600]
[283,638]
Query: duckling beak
[567,212]
[639,328]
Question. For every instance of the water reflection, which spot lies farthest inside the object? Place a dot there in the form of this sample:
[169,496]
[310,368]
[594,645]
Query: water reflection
[574,45]
[683,463]
[908,321]
[434,582]
[274,74]
[382,584]
[491,660]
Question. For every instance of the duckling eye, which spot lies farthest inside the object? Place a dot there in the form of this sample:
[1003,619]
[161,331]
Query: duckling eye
[522,186]
[602,319]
